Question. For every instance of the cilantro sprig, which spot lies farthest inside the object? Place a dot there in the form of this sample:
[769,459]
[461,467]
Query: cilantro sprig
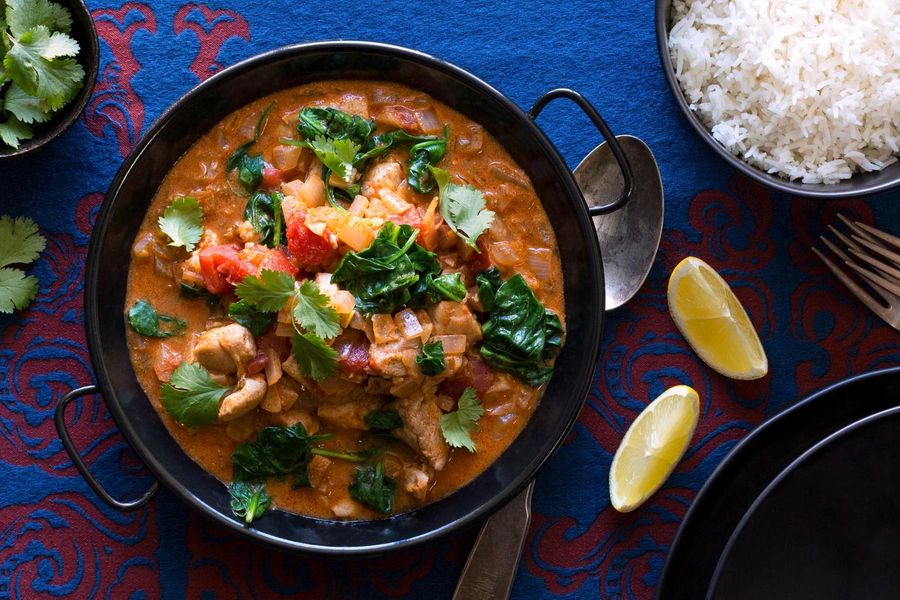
[20,244]
[463,208]
[191,396]
[182,222]
[457,426]
[39,73]
[311,314]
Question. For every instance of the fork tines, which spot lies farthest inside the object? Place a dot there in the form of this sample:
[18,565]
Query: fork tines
[875,256]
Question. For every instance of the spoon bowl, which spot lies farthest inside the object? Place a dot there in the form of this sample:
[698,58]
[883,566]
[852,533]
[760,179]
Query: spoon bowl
[629,237]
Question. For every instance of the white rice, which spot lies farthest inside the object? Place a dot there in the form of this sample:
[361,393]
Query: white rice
[807,89]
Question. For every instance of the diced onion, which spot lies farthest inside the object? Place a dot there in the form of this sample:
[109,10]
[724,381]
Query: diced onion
[356,233]
[162,267]
[360,203]
[504,254]
[142,248]
[453,344]
[539,261]
[408,324]
[428,120]
[273,367]
[383,329]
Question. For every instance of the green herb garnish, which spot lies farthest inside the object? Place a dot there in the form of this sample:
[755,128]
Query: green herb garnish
[463,208]
[520,335]
[394,272]
[249,500]
[191,396]
[144,319]
[457,426]
[256,321]
[431,361]
[264,213]
[38,74]
[373,488]
[315,358]
[383,420]
[20,244]
[250,166]
[182,222]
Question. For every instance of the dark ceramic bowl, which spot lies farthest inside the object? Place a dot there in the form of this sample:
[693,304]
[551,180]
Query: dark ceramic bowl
[130,196]
[84,32]
[860,184]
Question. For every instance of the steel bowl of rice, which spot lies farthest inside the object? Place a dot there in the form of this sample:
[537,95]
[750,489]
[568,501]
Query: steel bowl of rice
[801,95]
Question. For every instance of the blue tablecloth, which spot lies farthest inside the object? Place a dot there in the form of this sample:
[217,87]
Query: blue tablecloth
[58,539]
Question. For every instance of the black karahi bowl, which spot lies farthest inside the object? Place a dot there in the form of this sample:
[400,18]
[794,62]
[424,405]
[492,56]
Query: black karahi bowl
[130,196]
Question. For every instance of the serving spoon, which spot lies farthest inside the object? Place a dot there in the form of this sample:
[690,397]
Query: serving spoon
[629,238]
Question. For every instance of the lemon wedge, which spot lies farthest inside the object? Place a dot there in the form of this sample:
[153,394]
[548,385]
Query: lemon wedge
[711,318]
[652,447]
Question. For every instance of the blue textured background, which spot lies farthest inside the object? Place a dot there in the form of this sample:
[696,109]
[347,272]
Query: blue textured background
[58,539]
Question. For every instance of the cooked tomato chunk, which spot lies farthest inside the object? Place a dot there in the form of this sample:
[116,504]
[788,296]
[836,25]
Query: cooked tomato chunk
[224,266]
[212,266]
[308,249]
[272,178]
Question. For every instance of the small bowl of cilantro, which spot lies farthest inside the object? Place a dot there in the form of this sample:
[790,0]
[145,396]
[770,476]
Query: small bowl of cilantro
[48,66]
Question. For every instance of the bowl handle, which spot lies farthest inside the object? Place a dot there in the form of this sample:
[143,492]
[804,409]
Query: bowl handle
[72,451]
[607,134]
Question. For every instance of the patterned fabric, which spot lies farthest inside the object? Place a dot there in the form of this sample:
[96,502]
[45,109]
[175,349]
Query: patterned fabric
[58,539]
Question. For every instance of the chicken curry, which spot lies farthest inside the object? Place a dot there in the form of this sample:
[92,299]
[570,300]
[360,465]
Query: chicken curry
[344,301]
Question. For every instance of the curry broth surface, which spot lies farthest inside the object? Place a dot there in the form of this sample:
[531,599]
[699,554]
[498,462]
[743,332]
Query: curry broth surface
[472,155]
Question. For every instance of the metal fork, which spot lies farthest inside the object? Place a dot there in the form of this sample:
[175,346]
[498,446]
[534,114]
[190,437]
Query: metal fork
[879,252]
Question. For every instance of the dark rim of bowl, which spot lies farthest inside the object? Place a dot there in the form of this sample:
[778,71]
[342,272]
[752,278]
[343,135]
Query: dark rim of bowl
[89,58]
[851,188]
[735,455]
[577,396]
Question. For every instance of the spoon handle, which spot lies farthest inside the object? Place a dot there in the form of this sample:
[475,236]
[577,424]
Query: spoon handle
[494,559]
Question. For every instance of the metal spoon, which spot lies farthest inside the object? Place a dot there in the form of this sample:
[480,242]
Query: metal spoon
[629,239]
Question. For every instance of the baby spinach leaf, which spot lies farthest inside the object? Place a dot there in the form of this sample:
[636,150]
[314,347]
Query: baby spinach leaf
[457,426]
[373,488]
[144,319]
[489,282]
[331,123]
[431,361]
[520,335]
[250,166]
[249,500]
[383,420]
[191,396]
[263,211]
[256,321]
[448,286]
[281,452]
[193,292]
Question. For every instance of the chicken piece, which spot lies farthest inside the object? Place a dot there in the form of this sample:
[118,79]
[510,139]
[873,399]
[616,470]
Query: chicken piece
[225,349]
[455,318]
[317,470]
[385,176]
[249,393]
[422,430]
[349,415]
[289,418]
[416,481]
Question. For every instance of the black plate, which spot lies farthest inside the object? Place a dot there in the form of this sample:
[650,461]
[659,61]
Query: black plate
[827,527]
[753,464]
[133,189]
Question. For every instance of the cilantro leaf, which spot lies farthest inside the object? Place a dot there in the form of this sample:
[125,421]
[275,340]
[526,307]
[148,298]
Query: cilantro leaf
[144,319]
[457,426]
[313,313]
[191,396]
[268,292]
[249,500]
[463,208]
[337,155]
[255,320]
[14,131]
[16,290]
[35,63]
[20,241]
[25,107]
[315,358]
[431,361]
[182,222]
[22,15]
